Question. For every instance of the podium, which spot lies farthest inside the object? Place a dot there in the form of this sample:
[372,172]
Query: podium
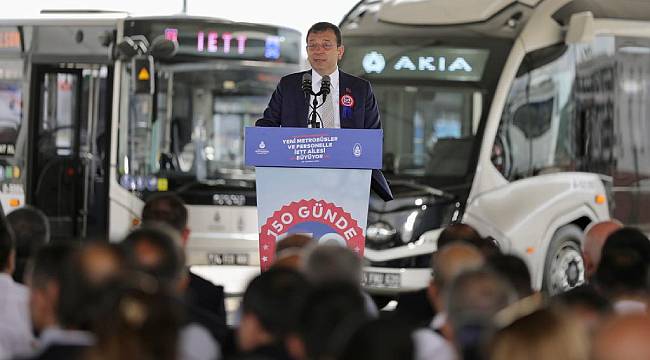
[312,181]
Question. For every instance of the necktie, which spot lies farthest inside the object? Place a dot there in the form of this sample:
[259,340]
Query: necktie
[327,112]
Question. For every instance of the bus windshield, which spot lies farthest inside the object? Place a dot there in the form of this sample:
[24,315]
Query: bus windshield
[196,133]
[433,98]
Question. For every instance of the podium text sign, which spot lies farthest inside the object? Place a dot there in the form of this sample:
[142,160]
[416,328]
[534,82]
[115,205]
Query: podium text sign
[312,181]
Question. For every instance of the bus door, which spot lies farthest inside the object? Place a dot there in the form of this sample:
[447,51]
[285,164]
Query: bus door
[68,147]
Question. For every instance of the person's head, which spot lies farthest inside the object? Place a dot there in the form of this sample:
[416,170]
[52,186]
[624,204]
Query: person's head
[380,339]
[330,314]
[154,249]
[31,230]
[7,248]
[86,276]
[623,337]
[136,323]
[458,232]
[514,269]
[169,209]
[333,263]
[595,238]
[623,268]
[472,300]
[542,335]
[268,307]
[588,306]
[290,251]
[448,263]
[44,283]
[324,47]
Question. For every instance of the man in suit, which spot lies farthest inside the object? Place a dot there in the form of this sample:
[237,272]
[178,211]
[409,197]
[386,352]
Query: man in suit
[350,104]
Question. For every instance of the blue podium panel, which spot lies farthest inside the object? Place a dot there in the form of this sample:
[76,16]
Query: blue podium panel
[315,148]
[314,182]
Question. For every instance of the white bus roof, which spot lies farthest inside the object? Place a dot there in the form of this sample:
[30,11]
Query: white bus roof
[454,12]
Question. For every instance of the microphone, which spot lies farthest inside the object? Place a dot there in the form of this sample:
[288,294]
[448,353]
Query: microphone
[325,86]
[306,84]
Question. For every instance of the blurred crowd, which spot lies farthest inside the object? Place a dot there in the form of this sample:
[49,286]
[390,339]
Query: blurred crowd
[136,299]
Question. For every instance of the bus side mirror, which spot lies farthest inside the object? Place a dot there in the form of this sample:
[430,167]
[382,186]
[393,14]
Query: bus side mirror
[581,28]
[163,48]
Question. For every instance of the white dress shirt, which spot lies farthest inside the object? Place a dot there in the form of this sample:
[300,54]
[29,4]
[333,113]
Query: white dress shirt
[15,323]
[333,95]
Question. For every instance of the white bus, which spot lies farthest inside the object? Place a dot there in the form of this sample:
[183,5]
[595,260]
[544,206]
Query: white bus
[527,119]
[98,111]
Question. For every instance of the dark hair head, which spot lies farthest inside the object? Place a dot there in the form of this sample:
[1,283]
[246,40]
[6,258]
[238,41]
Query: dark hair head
[31,229]
[136,322]
[7,244]
[325,26]
[514,269]
[155,249]
[585,297]
[273,297]
[624,263]
[49,263]
[166,208]
[330,314]
[84,284]
[380,339]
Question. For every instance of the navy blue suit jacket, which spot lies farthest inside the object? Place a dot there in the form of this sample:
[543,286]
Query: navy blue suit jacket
[289,108]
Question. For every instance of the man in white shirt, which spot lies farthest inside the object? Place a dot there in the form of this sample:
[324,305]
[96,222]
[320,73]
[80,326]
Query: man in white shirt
[15,330]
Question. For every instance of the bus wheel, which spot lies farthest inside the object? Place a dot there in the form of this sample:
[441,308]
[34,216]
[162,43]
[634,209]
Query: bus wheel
[564,268]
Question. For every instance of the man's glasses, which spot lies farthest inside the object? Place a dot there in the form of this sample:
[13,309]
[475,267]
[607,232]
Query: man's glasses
[325,46]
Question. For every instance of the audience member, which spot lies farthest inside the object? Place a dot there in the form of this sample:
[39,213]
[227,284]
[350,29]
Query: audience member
[514,269]
[542,335]
[329,316]
[333,263]
[84,274]
[15,331]
[458,232]
[32,230]
[169,209]
[136,322]
[380,339]
[473,298]
[623,337]
[155,249]
[586,304]
[434,341]
[290,251]
[268,309]
[622,275]
[595,236]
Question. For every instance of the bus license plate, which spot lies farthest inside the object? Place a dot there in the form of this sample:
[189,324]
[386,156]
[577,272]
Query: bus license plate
[382,280]
[227,259]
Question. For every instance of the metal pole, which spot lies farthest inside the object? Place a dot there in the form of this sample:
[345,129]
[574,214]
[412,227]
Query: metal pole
[184,6]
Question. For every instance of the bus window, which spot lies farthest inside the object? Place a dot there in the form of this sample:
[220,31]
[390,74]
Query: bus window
[10,104]
[535,133]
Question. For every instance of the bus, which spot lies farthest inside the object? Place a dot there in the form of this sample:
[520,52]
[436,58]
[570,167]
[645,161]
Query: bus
[99,110]
[527,120]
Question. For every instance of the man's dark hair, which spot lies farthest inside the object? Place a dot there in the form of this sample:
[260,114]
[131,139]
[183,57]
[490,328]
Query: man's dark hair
[49,263]
[7,243]
[329,316]
[82,295]
[166,208]
[31,230]
[381,339]
[273,297]
[171,262]
[325,26]
[584,296]
[624,262]
[514,269]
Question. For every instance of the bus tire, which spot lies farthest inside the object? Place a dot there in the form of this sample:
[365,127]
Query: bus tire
[564,267]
